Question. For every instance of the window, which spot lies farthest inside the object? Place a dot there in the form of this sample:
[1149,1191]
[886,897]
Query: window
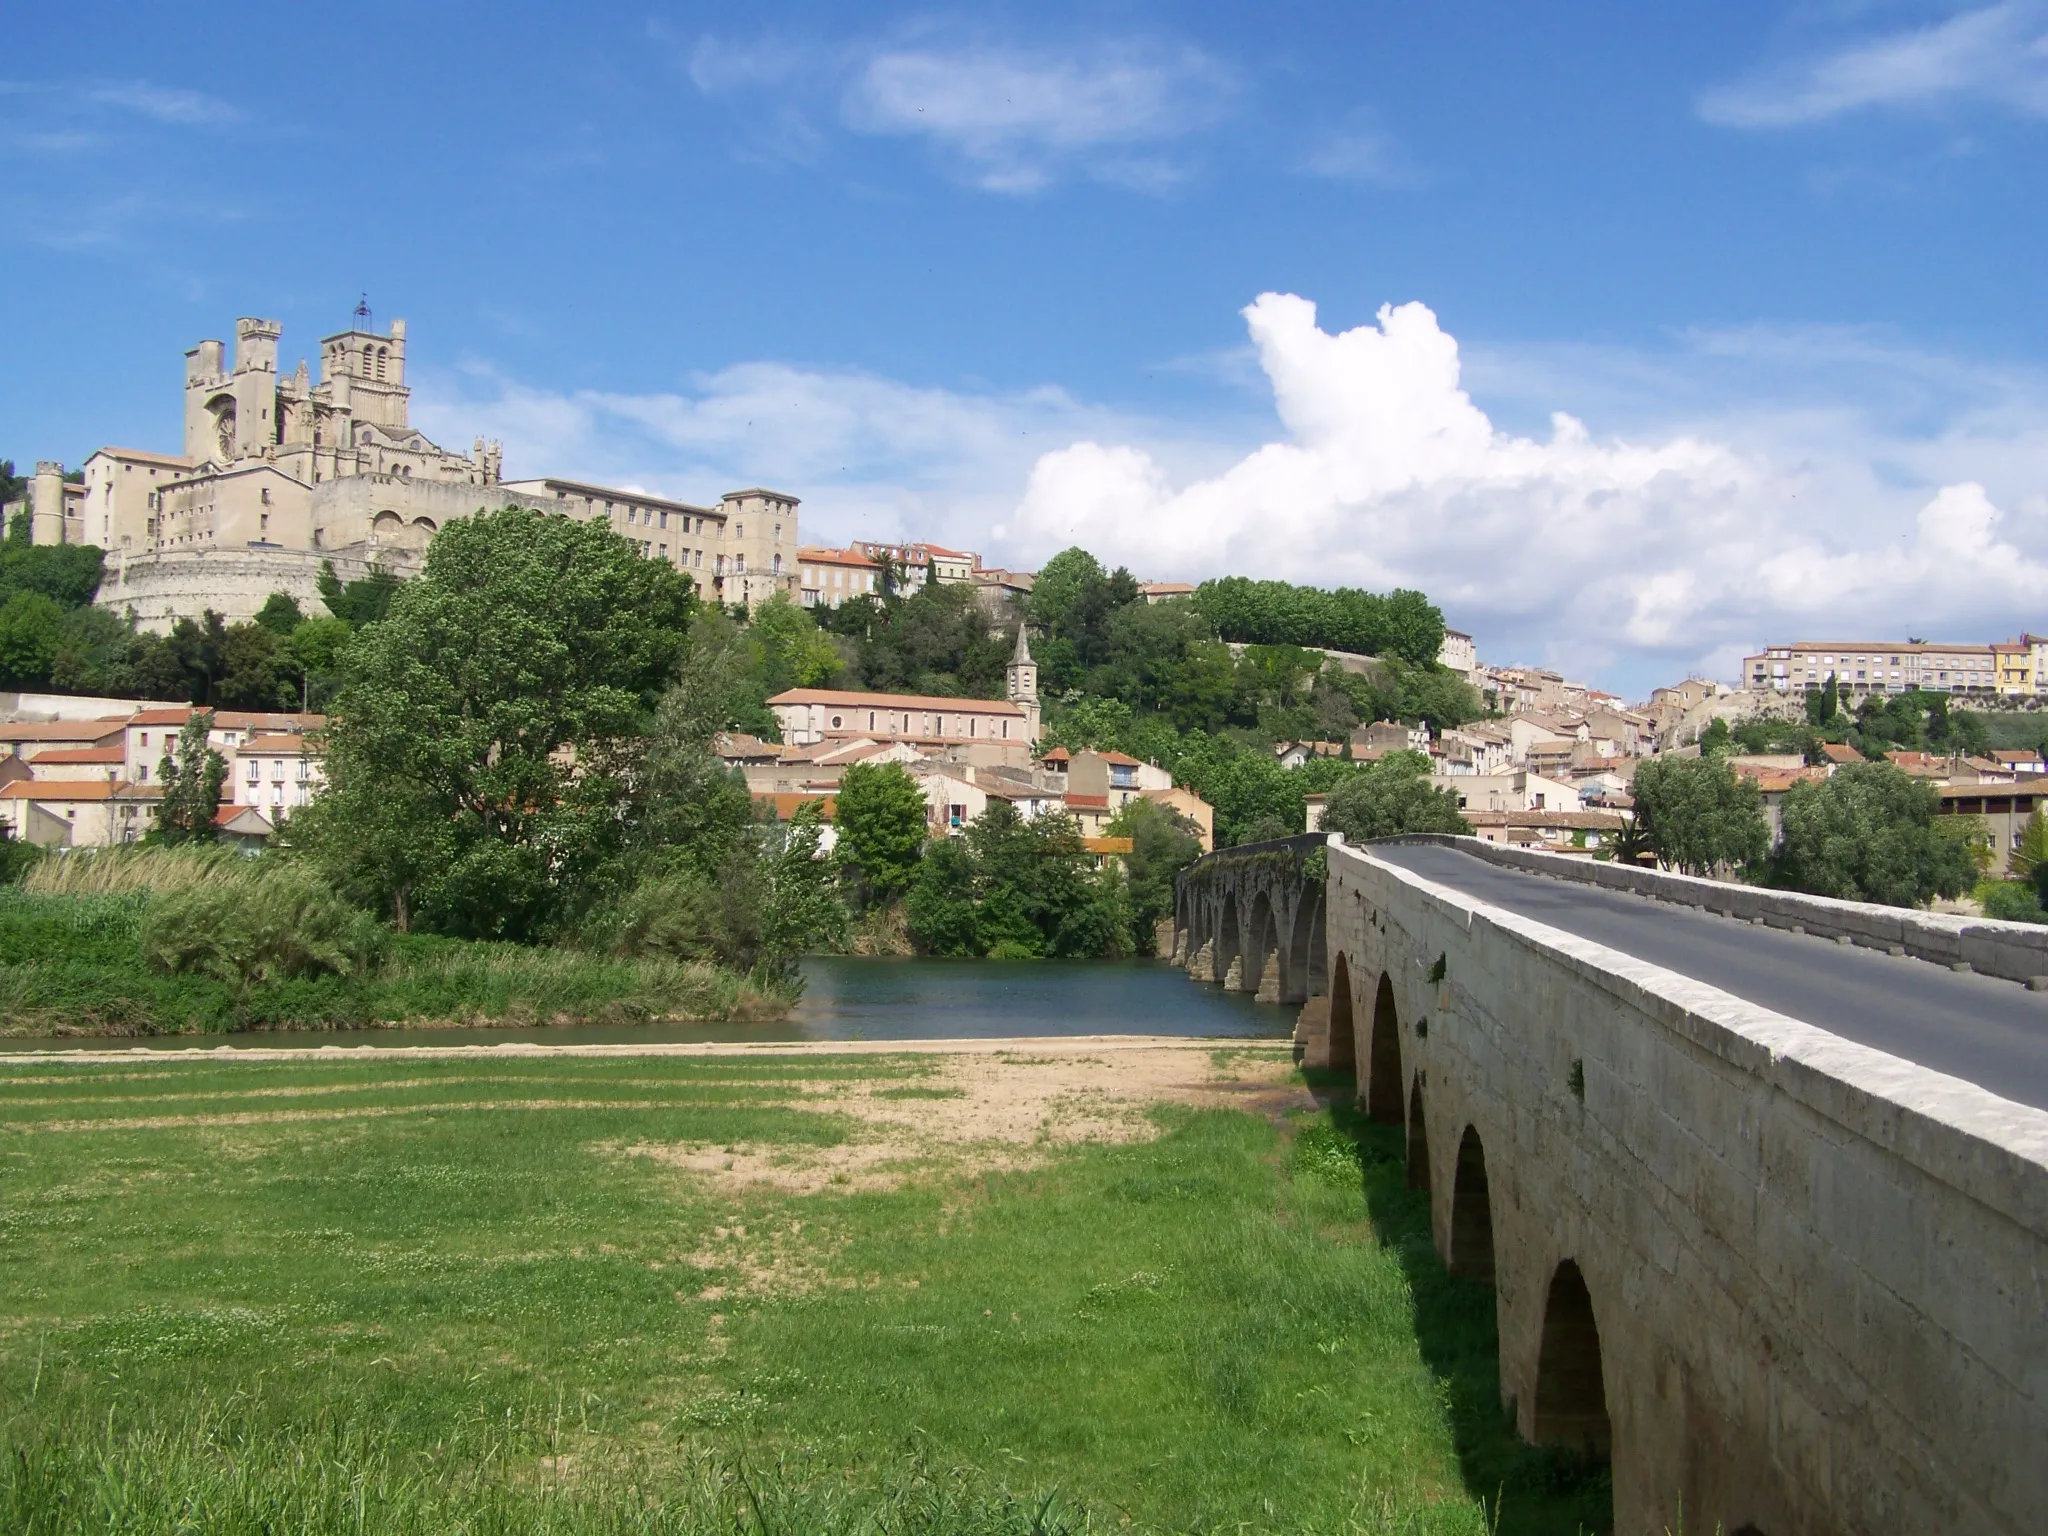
[835,722]
[664,521]
[739,530]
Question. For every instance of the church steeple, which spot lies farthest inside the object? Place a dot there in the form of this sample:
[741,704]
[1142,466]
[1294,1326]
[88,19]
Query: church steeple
[1023,681]
[1023,672]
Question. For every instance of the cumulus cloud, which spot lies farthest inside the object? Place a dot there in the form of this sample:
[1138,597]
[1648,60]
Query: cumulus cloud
[1565,547]
[1869,488]
[1997,53]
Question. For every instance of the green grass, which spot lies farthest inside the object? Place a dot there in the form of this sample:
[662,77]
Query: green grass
[74,964]
[434,1295]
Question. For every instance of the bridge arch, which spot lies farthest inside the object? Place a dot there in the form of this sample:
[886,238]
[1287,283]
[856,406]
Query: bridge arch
[1418,1140]
[1316,972]
[1472,1212]
[1260,945]
[1382,1086]
[1343,1032]
[1571,1391]
[1229,939]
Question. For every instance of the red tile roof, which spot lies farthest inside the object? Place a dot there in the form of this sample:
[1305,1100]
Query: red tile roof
[82,755]
[830,697]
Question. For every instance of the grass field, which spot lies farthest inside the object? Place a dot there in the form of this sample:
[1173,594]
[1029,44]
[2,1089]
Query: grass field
[1157,1289]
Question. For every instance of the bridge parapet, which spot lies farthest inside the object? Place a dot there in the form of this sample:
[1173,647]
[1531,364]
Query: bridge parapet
[2014,951]
[1789,1283]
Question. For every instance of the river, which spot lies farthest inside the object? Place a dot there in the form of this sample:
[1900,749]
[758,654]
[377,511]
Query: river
[853,999]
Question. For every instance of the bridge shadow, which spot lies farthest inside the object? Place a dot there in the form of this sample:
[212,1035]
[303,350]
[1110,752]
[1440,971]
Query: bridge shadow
[1527,1490]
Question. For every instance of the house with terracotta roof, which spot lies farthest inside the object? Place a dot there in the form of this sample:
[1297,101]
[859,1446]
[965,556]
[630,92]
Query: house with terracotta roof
[151,733]
[1166,591]
[59,764]
[77,812]
[275,773]
[25,738]
[830,577]
[1568,832]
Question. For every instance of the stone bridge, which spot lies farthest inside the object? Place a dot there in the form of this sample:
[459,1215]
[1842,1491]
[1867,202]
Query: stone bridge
[1250,919]
[1760,1180]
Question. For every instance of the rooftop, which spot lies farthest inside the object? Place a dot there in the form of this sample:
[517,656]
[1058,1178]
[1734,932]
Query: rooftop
[850,700]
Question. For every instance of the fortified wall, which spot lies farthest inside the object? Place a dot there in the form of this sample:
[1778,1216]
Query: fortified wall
[1791,1284]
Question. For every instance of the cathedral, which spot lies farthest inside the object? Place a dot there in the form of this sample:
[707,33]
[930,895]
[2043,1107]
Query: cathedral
[281,475]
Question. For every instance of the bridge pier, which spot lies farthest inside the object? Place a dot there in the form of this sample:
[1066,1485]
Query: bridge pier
[1269,979]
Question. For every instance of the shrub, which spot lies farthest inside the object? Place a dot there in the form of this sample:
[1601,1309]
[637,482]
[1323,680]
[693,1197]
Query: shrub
[2011,901]
[259,924]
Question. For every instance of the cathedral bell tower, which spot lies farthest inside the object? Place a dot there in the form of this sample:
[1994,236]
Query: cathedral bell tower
[1022,676]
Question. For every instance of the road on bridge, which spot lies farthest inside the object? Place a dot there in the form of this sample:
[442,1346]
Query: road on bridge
[1989,1032]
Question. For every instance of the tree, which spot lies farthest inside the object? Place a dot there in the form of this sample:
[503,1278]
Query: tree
[1392,796]
[362,601]
[1697,814]
[280,614]
[1715,740]
[802,913]
[2029,859]
[1870,833]
[1162,845]
[940,907]
[252,669]
[1823,702]
[881,816]
[67,574]
[793,651]
[29,633]
[489,729]
[191,774]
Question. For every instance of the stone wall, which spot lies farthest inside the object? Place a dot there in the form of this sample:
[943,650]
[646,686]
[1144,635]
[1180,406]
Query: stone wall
[160,588]
[1798,1285]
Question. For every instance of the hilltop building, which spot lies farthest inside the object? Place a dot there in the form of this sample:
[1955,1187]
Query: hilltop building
[280,475]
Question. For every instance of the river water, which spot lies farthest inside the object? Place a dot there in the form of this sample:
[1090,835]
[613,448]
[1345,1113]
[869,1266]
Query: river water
[852,999]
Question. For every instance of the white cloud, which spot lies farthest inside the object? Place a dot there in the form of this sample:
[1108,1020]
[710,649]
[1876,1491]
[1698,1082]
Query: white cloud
[869,456]
[1860,486]
[1010,120]
[1567,548]
[164,103]
[1359,152]
[1997,53]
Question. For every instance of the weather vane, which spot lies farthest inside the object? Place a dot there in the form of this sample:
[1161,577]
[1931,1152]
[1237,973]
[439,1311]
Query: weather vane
[363,313]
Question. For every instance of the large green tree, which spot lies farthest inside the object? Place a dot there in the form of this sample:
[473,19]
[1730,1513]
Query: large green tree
[1162,845]
[1872,833]
[881,815]
[1699,815]
[482,762]
[30,633]
[1389,797]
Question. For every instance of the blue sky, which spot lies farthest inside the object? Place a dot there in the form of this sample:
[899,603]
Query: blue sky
[993,276]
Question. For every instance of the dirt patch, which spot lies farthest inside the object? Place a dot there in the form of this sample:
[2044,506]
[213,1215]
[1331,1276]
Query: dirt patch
[991,1110]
